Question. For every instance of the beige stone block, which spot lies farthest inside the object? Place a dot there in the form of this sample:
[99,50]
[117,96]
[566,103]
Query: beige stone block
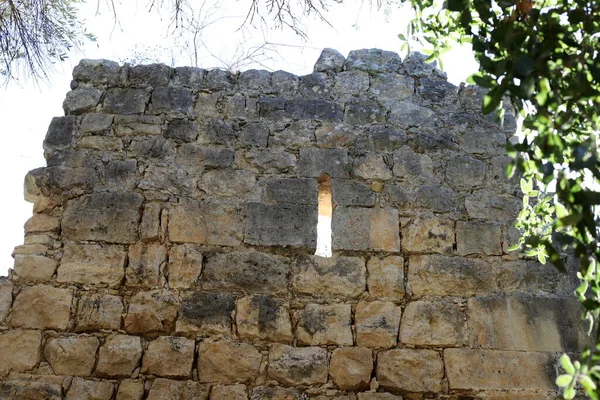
[170,357]
[167,389]
[410,370]
[325,325]
[473,237]
[386,278]
[119,356]
[74,356]
[229,392]
[206,314]
[372,167]
[146,265]
[42,238]
[436,323]
[293,366]
[92,264]
[264,318]
[38,249]
[377,324]
[185,266]
[357,228]
[20,350]
[378,396]
[131,389]
[351,367]
[444,276]
[6,289]
[274,393]
[25,386]
[97,311]
[476,369]
[101,143]
[41,223]
[152,312]
[32,268]
[385,229]
[82,389]
[334,276]
[150,226]
[42,307]
[517,394]
[229,362]
[428,235]
[229,183]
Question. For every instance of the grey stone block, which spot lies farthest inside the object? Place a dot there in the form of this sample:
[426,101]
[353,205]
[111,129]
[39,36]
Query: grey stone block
[436,198]
[314,109]
[254,80]
[103,72]
[255,134]
[182,131]
[373,60]
[281,225]
[347,192]
[192,77]
[82,100]
[151,75]
[465,172]
[329,60]
[218,79]
[172,99]
[201,309]
[60,133]
[314,162]
[297,191]
[284,84]
[126,101]
[363,113]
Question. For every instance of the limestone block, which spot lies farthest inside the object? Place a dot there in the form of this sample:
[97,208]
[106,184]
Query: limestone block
[51,311]
[518,394]
[182,131]
[107,217]
[191,77]
[97,311]
[19,386]
[150,225]
[264,318]
[293,190]
[229,362]
[389,88]
[351,368]
[350,84]
[229,392]
[6,289]
[412,166]
[372,167]
[126,101]
[465,172]
[314,162]
[377,324]
[172,99]
[284,83]
[253,272]
[92,122]
[364,113]
[130,389]
[72,355]
[102,72]
[293,366]
[134,125]
[42,223]
[20,350]
[329,60]
[255,134]
[239,184]
[83,389]
[334,276]
[436,198]
[206,314]
[398,196]
[36,249]
[166,389]
[478,238]
[348,192]
[169,357]
[439,323]
[325,325]
[475,369]
[428,235]
[315,85]
[92,264]
[357,228]
[185,266]
[408,114]
[373,60]
[487,205]
[60,133]
[218,131]
[255,81]
[435,90]
[149,75]
[146,265]
[271,161]
[162,182]
[152,312]
[119,356]
[386,278]
[314,109]
[100,143]
[192,221]
[378,396]
[274,393]
[281,225]
[410,370]
[32,268]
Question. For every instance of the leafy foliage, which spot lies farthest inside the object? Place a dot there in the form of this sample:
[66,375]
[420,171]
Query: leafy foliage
[543,58]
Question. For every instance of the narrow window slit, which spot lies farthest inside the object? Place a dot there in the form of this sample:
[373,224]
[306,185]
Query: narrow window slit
[324,219]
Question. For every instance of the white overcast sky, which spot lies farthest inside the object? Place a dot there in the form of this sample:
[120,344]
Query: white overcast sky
[26,108]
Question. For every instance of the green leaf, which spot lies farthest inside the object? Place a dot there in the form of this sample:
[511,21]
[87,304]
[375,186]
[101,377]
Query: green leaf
[587,383]
[565,363]
[569,393]
[402,37]
[510,169]
[564,380]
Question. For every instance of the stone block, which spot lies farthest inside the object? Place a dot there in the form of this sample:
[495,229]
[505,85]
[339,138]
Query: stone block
[378,396]
[229,362]
[274,393]
[498,208]
[102,72]
[167,389]
[130,389]
[281,225]
[255,134]
[163,183]
[169,357]
[444,276]
[42,223]
[19,386]
[315,109]
[119,356]
[20,350]
[364,113]
[428,235]
[475,369]
[90,390]
[202,222]
[126,101]
[410,370]
[81,100]
[100,143]
[372,167]
[136,125]
[106,217]
[334,276]
[185,266]
[373,60]
[146,264]
[60,133]
[478,238]
[357,228]
[229,392]
[284,83]
[264,318]
[152,312]
[32,268]
[292,190]
[351,367]
[389,88]
[253,272]
[409,165]
[271,161]
[6,298]
[74,356]
[150,75]
[92,264]
[254,81]
[436,198]
[325,325]
[51,311]
[293,366]
[206,314]
[92,122]
[348,192]
[150,228]
[408,114]
[238,184]
[437,323]
[172,99]
[182,131]
[377,324]
[191,77]
[218,131]
[465,172]
[98,311]
[314,162]
[385,279]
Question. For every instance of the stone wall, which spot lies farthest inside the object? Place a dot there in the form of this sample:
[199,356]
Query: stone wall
[170,254]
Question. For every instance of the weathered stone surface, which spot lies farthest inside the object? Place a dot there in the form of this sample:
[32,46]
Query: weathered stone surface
[206,314]
[150,225]
[146,264]
[97,311]
[378,396]
[81,100]
[475,369]
[294,190]
[152,312]
[192,77]
[385,279]
[389,88]
[351,367]
[92,264]
[41,223]
[373,60]
[478,238]
[438,323]
[428,235]
[24,386]
[228,183]
[271,161]
[130,389]
[137,125]
[119,356]
[487,205]
[150,75]
[205,223]
[20,350]
[229,392]
[274,393]
[72,356]
[100,143]
[126,101]
[228,362]
[255,134]
[107,217]
[185,266]
[104,72]
[348,192]
[263,317]
[314,162]
[410,165]
[325,325]
[170,357]
[96,122]
[377,324]
[172,99]
[182,131]
[293,366]
[166,389]
[329,60]
[366,228]
[281,225]
[6,298]
[436,198]
[408,114]
[335,276]
[218,131]
[410,370]
[32,268]
[315,109]
[350,84]
[51,311]
[372,167]
[60,133]
[161,183]
[465,172]
[90,390]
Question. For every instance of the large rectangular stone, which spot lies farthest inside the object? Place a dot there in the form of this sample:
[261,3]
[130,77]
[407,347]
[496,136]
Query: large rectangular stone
[42,307]
[92,264]
[294,190]
[334,276]
[366,228]
[293,366]
[205,313]
[435,323]
[474,237]
[6,289]
[314,162]
[347,192]
[281,225]
[428,235]
[26,386]
[410,370]
[20,350]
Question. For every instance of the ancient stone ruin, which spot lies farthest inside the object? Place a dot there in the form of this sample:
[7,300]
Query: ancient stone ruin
[171,250]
